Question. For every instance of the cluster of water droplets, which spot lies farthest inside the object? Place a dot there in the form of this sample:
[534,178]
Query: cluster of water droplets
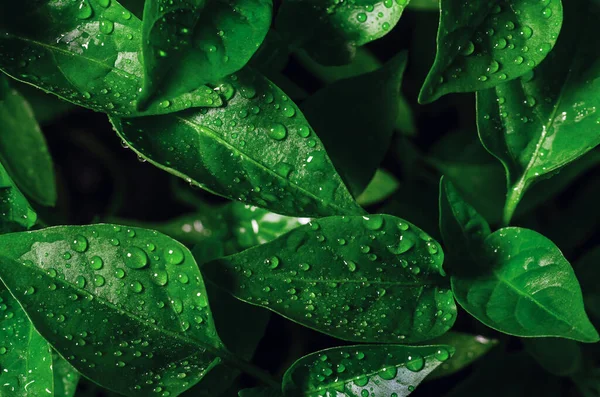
[111,294]
[345,277]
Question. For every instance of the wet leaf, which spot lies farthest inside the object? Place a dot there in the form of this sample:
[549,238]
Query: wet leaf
[23,150]
[25,356]
[258,149]
[364,370]
[336,28]
[546,119]
[339,112]
[66,377]
[374,279]
[515,280]
[15,212]
[181,50]
[86,52]
[126,307]
[482,44]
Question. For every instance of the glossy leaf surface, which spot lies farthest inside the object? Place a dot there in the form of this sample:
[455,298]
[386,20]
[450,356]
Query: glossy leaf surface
[331,30]
[23,150]
[469,348]
[15,212]
[358,371]
[85,52]
[546,119]
[66,378]
[25,356]
[482,44]
[339,112]
[188,43]
[258,149]
[375,278]
[121,305]
[518,282]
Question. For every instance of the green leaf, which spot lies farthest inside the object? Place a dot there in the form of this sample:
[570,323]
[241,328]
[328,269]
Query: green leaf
[85,52]
[181,50]
[545,120]
[126,307]
[357,371]
[469,348]
[25,356]
[23,150]
[235,225]
[330,31]
[425,5]
[258,149]
[15,212]
[66,377]
[260,392]
[339,112]
[560,357]
[517,282]
[481,44]
[375,278]
[381,187]
[514,375]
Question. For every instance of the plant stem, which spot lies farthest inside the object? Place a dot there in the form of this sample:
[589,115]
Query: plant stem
[513,198]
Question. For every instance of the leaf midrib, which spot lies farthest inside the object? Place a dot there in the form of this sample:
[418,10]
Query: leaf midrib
[210,132]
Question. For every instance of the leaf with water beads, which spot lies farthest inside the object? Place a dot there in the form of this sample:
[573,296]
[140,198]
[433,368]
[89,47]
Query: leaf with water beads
[258,149]
[66,378]
[135,322]
[547,119]
[15,212]
[370,279]
[363,370]
[482,44]
[86,52]
[188,43]
[25,357]
[331,30]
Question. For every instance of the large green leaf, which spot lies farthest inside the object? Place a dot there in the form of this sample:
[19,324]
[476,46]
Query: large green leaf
[15,212]
[515,280]
[365,370]
[66,378]
[258,149]
[547,119]
[481,44]
[375,278]
[23,149]
[188,43]
[331,30]
[339,113]
[469,348]
[84,51]
[25,357]
[126,307]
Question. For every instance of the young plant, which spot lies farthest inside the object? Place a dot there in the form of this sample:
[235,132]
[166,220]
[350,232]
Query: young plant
[327,273]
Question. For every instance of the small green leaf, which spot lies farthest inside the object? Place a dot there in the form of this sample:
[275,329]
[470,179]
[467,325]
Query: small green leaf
[23,149]
[381,187]
[469,348]
[425,5]
[330,31]
[481,44]
[126,307]
[86,52]
[188,43]
[66,378]
[258,149]
[515,280]
[339,112]
[15,212]
[364,370]
[546,119]
[341,276]
[560,357]
[25,357]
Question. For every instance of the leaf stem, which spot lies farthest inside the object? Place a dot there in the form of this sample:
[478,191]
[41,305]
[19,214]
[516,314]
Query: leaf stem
[250,369]
[513,198]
